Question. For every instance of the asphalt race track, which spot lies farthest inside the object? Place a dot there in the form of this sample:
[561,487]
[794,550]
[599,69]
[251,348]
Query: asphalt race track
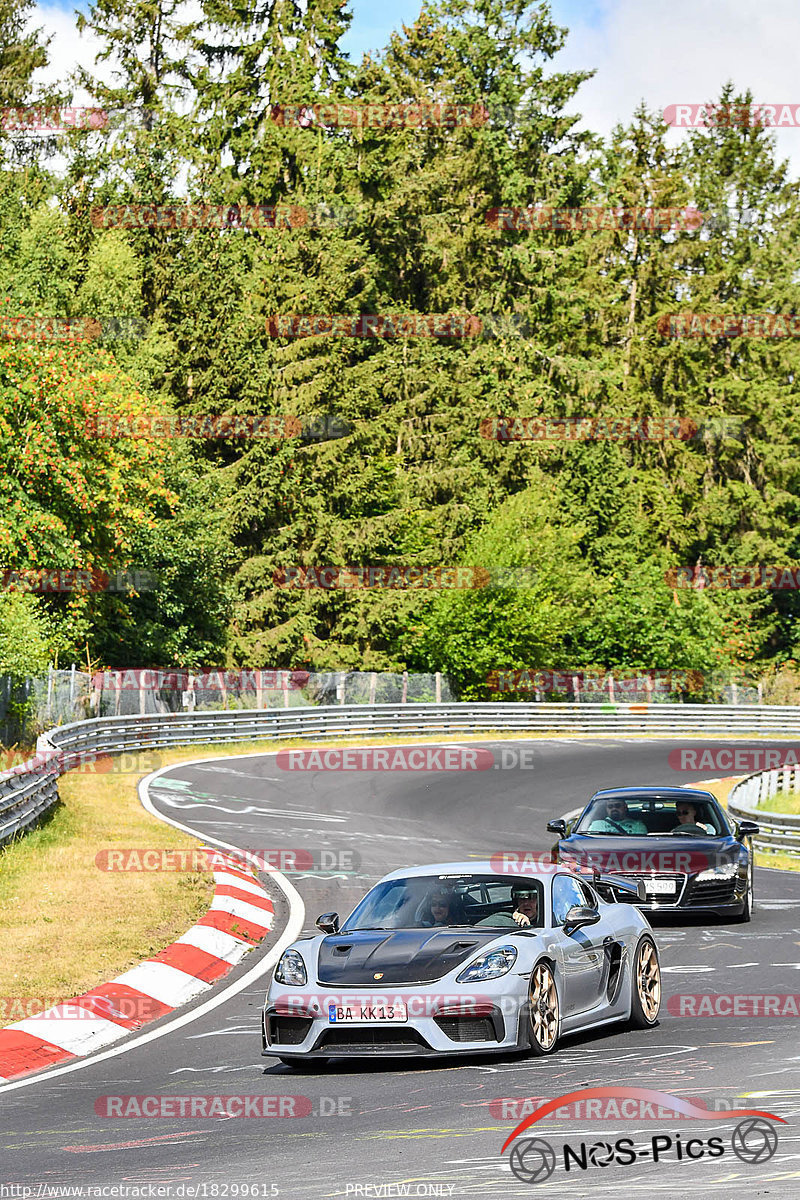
[379,1126]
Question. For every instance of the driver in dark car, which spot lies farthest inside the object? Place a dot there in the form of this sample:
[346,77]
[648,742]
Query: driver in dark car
[616,819]
[686,813]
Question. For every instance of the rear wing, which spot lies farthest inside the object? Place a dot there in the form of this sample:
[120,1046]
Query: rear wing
[615,889]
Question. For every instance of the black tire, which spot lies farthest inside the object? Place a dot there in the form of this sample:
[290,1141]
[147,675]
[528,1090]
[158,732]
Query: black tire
[645,985]
[747,912]
[302,1064]
[544,1010]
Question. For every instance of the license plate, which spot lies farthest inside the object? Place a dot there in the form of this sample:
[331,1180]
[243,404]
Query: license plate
[365,1014]
[661,887]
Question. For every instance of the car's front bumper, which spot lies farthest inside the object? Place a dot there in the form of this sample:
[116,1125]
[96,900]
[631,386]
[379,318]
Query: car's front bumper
[456,1023]
[725,896]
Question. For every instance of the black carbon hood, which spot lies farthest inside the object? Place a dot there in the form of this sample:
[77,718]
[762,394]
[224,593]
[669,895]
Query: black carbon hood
[400,956]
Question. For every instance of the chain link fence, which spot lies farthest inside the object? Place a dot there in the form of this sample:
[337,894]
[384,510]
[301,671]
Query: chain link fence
[127,693]
[30,706]
[27,708]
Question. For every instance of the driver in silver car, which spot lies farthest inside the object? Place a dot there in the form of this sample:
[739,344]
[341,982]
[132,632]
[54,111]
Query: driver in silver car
[526,905]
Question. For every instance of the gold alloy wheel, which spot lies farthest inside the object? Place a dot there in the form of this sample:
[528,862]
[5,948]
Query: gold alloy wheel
[544,1007]
[648,980]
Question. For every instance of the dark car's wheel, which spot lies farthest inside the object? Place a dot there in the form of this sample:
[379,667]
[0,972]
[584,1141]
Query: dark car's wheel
[544,1013]
[747,910]
[302,1064]
[645,985]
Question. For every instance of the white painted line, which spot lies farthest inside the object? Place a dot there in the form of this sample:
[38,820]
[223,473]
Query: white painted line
[215,941]
[294,926]
[163,982]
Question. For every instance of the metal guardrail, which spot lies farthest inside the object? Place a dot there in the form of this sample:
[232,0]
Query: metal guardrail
[779,831]
[31,788]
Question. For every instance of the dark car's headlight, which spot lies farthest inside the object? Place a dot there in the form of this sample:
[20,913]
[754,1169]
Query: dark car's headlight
[291,969]
[723,871]
[491,965]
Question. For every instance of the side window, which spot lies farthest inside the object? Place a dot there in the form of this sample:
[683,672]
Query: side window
[566,892]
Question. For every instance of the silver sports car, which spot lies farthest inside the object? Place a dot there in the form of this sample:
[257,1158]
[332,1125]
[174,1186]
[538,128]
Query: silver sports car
[462,958]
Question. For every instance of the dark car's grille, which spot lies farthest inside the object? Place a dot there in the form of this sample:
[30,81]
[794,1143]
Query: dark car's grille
[472,1029]
[650,895]
[712,891]
[289,1031]
[384,1037]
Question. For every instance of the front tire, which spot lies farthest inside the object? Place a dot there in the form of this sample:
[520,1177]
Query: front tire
[544,1012]
[747,911]
[645,985]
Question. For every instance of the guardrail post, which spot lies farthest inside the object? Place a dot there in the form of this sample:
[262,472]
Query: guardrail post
[405,688]
[438,678]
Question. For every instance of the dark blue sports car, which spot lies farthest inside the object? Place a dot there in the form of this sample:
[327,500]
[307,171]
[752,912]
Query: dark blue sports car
[688,852]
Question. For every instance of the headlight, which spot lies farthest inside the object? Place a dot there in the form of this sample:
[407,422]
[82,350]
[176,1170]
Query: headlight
[291,969]
[725,871]
[489,966]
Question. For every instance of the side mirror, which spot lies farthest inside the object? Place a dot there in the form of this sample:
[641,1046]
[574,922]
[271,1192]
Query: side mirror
[559,827]
[328,922]
[748,829]
[580,915]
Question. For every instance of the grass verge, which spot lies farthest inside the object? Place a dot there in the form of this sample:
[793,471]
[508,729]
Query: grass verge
[763,858]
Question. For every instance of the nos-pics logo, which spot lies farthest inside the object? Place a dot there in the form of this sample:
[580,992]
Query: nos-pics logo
[533,1160]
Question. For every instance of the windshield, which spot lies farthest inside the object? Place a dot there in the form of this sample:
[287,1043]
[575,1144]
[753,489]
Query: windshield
[647,816]
[431,901]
